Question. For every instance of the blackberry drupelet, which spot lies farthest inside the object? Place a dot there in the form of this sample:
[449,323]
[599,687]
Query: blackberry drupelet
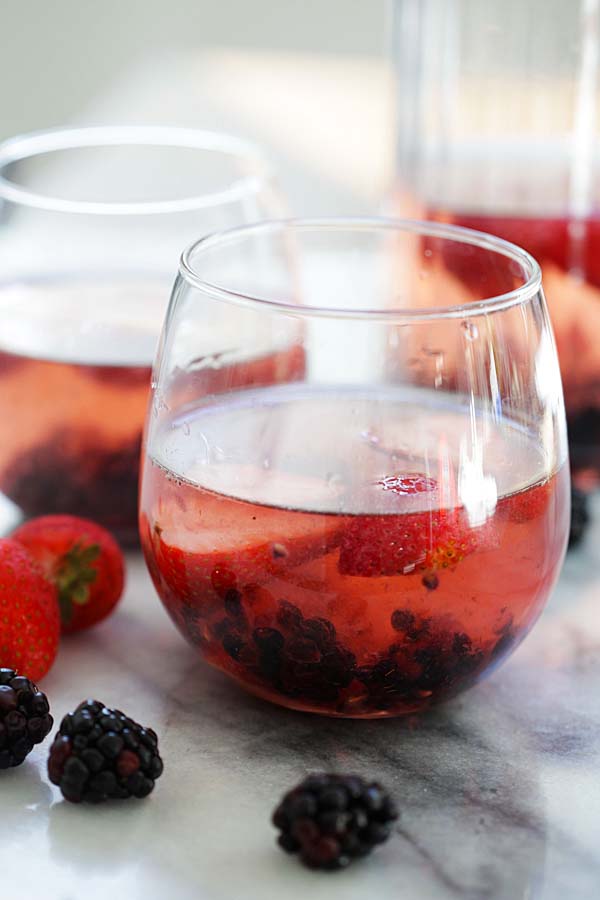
[101,754]
[332,819]
[580,516]
[25,718]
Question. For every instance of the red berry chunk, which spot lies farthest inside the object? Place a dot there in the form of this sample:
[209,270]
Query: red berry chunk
[83,560]
[29,614]
[398,545]
[223,548]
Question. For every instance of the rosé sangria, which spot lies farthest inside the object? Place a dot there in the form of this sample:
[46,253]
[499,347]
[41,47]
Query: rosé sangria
[371,592]
[352,540]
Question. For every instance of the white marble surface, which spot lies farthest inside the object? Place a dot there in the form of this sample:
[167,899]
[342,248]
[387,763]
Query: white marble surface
[499,790]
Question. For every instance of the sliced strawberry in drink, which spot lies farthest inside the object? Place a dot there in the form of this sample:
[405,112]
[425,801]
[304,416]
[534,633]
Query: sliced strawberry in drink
[229,544]
[400,544]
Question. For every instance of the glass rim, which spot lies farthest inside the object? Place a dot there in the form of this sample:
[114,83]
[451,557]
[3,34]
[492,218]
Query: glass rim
[26,146]
[532,284]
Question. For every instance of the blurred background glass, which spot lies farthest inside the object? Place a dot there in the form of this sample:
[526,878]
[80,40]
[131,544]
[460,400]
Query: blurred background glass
[309,80]
[498,130]
[92,223]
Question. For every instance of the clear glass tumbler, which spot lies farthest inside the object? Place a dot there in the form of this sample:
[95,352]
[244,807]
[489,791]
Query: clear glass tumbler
[92,223]
[498,130]
[355,502]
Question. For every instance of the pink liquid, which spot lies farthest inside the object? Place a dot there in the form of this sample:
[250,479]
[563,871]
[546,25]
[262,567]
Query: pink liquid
[316,582]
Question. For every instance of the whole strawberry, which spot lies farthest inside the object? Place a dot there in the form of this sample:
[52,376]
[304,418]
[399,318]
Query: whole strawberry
[29,614]
[83,560]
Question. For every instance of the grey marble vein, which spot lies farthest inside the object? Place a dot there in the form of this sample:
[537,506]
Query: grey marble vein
[499,789]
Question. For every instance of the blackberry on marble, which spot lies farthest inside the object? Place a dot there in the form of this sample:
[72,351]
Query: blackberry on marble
[584,437]
[25,718]
[101,754]
[580,516]
[330,820]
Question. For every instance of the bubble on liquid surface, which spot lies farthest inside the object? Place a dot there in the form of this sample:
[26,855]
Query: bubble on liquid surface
[470,330]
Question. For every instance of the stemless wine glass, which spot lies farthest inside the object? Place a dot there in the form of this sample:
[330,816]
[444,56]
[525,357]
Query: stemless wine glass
[359,504]
[92,222]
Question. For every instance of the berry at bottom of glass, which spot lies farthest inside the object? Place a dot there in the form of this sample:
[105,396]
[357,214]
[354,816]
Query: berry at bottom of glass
[372,574]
